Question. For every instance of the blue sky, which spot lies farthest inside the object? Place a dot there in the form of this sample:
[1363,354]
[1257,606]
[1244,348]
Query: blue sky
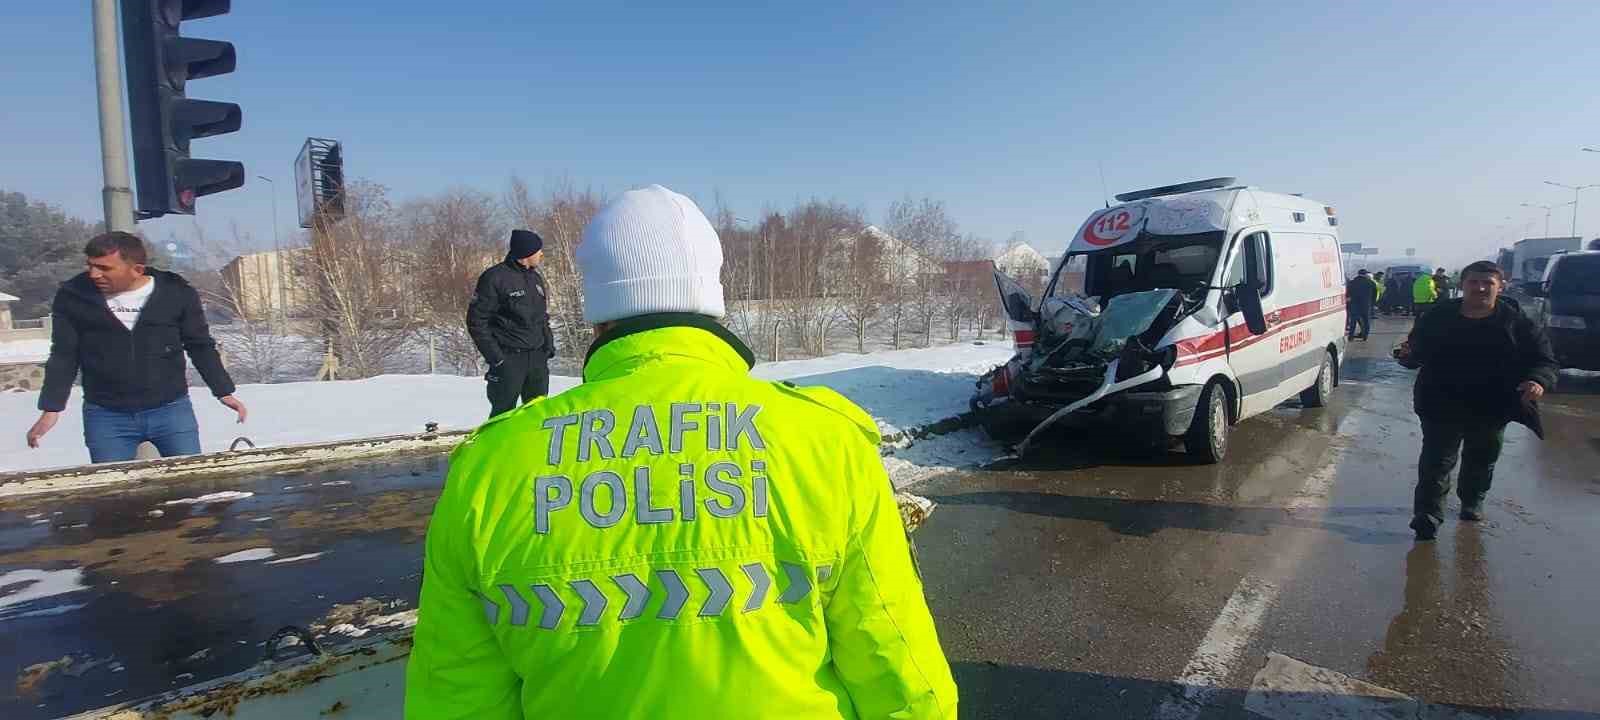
[1426,124]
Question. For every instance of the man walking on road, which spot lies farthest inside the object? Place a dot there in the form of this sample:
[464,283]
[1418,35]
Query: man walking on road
[509,322]
[1483,364]
[1360,294]
[673,538]
[127,328]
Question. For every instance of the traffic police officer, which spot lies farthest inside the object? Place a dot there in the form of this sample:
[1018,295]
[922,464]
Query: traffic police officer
[672,538]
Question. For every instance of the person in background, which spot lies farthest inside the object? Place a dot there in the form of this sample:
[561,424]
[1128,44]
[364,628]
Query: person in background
[127,327]
[1443,287]
[1483,364]
[1360,294]
[509,322]
[1378,279]
[672,539]
[1423,294]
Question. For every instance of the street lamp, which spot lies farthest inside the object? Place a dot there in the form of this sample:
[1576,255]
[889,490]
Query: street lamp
[1547,210]
[1590,149]
[1576,189]
[277,249]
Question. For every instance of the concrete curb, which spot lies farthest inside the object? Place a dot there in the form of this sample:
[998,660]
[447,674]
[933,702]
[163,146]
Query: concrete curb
[127,476]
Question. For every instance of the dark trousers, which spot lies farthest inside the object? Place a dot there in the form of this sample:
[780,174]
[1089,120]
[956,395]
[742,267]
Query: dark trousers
[522,377]
[1361,317]
[114,435]
[1475,443]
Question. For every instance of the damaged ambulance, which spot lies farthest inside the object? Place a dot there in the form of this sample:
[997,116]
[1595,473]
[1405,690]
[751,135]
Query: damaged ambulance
[1177,313]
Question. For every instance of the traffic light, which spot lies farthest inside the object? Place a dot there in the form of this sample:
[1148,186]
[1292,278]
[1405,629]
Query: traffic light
[163,119]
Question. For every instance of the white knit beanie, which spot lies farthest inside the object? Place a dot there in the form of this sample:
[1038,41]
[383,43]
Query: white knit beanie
[650,251]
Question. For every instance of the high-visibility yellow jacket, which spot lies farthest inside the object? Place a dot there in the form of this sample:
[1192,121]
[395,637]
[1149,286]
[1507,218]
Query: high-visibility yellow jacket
[1423,290]
[673,539]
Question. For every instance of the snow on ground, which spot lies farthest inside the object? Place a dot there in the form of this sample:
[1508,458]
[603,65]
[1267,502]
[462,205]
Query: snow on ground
[251,555]
[901,388]
[25,586]
[295,559]
[24,351]
[216,497]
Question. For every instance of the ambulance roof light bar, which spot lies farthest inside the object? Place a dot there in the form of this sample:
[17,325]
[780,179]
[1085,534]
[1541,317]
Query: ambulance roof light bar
[1210,184]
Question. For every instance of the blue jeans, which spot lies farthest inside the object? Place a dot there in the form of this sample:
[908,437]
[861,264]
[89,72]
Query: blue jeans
[114,435]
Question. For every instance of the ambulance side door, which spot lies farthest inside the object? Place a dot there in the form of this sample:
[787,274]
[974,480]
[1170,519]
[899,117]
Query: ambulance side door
[1254,359]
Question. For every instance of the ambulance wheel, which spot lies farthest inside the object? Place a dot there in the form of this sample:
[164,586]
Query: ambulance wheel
[1317,395]
[1207,439]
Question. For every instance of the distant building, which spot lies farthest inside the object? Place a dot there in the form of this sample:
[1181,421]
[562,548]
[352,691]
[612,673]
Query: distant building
[263,284]
[902,263]
[6,322]
[1021,261]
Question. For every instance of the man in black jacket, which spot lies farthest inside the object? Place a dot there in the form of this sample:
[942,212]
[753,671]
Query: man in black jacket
[1483,364]
[1360,294]
[510,324]
[127,328]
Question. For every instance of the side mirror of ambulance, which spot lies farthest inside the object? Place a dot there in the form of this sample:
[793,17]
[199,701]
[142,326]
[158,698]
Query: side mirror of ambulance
[1249,297]
[1017,301]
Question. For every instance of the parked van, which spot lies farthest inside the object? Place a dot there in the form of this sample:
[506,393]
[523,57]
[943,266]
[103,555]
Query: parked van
[1571,301]
[1199,305]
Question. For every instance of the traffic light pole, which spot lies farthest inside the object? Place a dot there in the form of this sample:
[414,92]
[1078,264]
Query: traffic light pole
[116,193]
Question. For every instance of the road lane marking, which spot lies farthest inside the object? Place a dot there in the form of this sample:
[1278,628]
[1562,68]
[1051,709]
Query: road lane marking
[1224,644]
[1204,679]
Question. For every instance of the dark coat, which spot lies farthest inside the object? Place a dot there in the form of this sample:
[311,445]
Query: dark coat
[509,313]
[1361,293]
[1468,375]
[129,370]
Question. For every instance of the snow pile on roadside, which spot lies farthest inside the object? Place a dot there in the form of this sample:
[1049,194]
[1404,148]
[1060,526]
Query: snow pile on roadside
[24,351]
[903,389]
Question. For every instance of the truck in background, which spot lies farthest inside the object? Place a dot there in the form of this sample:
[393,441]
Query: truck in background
[1529,258]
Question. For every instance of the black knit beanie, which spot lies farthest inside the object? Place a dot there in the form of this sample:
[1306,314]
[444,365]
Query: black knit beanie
[524,243]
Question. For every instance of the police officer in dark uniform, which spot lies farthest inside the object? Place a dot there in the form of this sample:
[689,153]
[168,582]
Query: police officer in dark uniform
[510,323]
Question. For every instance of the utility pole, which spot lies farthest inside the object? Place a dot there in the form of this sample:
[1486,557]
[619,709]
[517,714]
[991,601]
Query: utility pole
[115,193]
[277,252]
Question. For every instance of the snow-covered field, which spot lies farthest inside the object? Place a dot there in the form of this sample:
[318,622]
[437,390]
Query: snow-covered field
[903,389]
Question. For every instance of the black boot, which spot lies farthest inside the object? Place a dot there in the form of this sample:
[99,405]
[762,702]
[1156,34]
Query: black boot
[1426,528]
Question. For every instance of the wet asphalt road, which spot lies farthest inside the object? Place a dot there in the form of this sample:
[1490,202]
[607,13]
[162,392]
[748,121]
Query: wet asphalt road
[1078,584]
[1087,592]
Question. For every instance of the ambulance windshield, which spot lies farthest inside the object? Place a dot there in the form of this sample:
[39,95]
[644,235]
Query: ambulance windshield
[1180,262]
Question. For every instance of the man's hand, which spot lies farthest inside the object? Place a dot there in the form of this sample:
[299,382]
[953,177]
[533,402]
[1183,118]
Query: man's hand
[1403,350]
[1531,392]
[234,405]
[47,420]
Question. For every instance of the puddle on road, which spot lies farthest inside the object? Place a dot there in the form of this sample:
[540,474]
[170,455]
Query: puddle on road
[184,583]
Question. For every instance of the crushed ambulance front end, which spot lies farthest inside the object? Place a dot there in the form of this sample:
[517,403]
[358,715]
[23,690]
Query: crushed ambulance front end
[1154,265]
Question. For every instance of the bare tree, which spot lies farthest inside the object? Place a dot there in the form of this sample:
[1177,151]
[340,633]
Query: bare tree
[256,339]
[966,268]
[809,285]
[863,283]
[453,238]
[929,234]
[361,274]
[739,270]
[559,217]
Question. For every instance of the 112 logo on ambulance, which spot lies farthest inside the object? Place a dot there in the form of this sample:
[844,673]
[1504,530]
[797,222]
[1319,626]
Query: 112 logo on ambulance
[1112,226]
